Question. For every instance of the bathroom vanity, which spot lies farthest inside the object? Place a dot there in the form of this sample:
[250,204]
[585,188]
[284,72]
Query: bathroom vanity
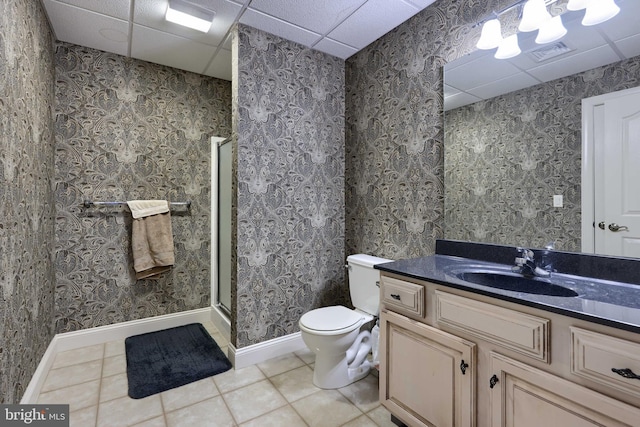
[458,353]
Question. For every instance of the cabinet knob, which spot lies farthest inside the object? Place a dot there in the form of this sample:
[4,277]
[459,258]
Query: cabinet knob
[463,367]
[395,297]
[493,381]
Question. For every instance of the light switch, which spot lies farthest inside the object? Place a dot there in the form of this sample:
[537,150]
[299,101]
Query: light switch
[557,200]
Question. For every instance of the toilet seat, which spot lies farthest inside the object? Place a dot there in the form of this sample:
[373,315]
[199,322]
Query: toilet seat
[332,320]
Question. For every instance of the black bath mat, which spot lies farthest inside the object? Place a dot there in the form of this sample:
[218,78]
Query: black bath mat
[170,358]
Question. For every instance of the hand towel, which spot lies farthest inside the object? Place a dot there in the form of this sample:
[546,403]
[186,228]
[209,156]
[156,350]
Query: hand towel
[144,208]
[151,237]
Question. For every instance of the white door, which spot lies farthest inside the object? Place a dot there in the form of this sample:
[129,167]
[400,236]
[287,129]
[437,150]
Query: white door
[612,122]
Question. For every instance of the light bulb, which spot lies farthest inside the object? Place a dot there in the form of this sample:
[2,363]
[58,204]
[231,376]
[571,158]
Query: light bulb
[534,14]
[508,48]
[551,30]
[600,11]
[491,35]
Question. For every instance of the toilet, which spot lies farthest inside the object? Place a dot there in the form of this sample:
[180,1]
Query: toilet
[333,333]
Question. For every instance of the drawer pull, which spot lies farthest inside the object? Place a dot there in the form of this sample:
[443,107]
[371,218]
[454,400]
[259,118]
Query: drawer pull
[395,297]
[493,381]
[463,367]
[627,373]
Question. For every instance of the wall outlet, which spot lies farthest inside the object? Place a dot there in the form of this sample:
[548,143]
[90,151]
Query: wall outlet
[557,200]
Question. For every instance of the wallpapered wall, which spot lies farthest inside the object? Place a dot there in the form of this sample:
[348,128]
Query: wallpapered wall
[507,156]
[289,137]
[394,150]
[26,200]
[128,129]
[394,132]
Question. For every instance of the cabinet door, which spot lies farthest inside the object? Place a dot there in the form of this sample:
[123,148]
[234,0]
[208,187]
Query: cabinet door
[524,396]
[427,377]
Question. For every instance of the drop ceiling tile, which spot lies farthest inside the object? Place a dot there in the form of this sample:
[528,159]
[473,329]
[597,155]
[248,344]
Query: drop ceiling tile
[630,46]
[502,86]
[625,23]
[115,8]
[459,100]
[319,16]
[449,91]
[150,13]
[278,27]
[167,49]
[476,73]
[335,48]
[358,30]
[228,42]
[578,38]
[575,64]
[220,67]
[86,28]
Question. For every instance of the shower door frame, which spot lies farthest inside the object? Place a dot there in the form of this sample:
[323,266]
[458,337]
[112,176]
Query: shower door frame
[221,314]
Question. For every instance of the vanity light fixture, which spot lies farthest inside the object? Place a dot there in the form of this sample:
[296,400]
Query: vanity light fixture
[491,35]
[536,17]
[189,15]
[551,30]
[600,11]
[508,48]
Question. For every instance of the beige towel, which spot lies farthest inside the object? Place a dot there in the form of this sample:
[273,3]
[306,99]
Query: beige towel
[151,237]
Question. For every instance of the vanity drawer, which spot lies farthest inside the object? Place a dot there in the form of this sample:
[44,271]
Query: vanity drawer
[594,355]
[511,329]
[403,297]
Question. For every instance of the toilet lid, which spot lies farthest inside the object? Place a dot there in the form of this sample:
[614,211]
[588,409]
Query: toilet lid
[330,318]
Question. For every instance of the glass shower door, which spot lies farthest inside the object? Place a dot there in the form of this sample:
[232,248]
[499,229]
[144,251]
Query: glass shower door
[224,265]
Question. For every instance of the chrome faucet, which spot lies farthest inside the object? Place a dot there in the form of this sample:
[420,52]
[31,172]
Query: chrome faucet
[526,265]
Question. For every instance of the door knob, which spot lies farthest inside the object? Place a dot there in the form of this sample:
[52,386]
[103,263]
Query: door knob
[601,225]
[615,227]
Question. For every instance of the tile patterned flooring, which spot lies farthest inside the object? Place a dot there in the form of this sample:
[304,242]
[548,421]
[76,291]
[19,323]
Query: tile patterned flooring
[278,392]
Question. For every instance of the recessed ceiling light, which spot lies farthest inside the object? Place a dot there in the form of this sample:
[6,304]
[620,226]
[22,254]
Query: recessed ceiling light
[189,15]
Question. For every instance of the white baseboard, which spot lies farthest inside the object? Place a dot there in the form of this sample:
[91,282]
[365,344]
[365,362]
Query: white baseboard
[240,358]
[257,353]
[37,380]
[103,334]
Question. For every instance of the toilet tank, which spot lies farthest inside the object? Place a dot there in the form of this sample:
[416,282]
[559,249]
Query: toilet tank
[363,282]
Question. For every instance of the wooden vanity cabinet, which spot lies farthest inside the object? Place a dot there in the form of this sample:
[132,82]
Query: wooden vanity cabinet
[427,377]
[523,396]
[511,376]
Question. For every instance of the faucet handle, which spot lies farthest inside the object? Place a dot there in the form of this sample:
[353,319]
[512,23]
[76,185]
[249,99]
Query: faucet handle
[525,253]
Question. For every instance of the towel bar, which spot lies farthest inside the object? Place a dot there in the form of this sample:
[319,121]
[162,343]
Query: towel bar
[89,203]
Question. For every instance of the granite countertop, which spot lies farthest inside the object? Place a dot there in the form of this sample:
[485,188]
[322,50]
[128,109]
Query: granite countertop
[600,300]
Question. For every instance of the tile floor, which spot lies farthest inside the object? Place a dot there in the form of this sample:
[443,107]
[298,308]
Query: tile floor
[278,392]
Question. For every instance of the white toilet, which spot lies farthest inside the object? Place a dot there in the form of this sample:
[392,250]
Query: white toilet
[333,333]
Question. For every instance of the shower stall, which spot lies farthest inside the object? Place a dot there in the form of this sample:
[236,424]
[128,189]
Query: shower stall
[221,176]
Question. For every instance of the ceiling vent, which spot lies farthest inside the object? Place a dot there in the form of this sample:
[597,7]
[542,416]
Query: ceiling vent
[551,51]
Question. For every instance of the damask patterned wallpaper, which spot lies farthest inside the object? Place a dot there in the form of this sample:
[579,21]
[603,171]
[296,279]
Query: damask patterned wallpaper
[507,156]
[395,169]
[26,200]
[128,129]
[394,132]
[289,136]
